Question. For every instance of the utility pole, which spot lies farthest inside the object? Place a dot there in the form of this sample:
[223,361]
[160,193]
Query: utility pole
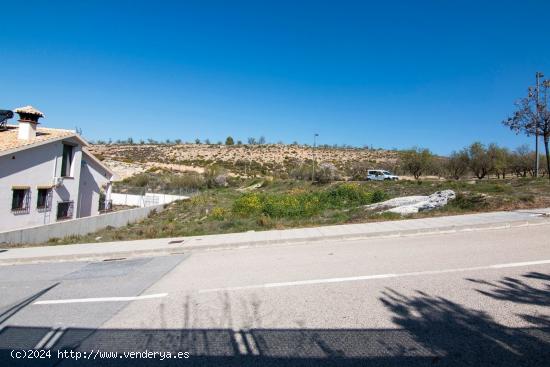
[313,154]
[538,75]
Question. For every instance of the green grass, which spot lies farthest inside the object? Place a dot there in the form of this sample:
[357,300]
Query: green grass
[281,204]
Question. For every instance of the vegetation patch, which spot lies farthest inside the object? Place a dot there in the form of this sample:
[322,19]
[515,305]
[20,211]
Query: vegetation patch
[282,204]
[305,204]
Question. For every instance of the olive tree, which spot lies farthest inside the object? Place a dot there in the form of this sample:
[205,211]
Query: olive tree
[500,159]
[481,163]
[417,161]
[457,164]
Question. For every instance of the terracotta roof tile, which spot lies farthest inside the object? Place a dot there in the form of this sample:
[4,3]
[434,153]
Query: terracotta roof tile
[9,140]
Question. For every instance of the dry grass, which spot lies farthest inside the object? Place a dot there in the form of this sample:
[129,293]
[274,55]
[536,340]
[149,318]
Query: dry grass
[215,211]
[249,160]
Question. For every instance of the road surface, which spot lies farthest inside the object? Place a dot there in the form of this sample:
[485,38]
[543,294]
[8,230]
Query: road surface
[479,298]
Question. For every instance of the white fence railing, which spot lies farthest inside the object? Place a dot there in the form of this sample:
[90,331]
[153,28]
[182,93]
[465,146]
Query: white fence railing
[146,200]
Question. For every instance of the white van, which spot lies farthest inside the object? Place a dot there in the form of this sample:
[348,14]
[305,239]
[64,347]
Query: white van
[380,175]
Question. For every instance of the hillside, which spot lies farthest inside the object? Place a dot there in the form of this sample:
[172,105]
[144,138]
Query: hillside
[271,159]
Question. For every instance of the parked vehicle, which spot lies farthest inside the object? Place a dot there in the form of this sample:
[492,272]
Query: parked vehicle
[381,175]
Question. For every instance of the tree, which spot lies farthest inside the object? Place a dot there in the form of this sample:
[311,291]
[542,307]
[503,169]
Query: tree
[326,172]
[251,141]
[521,160]
[532,117]
[458,163]
[480,161]
[261,141]
[197,141]
[500,159]
[229,141]
[416,161]
[359,170]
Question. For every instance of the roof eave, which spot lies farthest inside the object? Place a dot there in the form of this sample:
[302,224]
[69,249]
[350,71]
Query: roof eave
[40,143]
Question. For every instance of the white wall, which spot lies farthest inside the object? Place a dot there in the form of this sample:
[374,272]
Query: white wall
[92,178]
[36,167]
[80,226]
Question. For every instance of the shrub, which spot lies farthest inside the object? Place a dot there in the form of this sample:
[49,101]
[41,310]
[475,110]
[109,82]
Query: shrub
[264,221]
[302,172]
[345,195]
[326,172]
[468,201]
[378,196]
[301,203]
[218,213]
[188,180]
[248,204]
[291,206]
[215,177]
[139,180]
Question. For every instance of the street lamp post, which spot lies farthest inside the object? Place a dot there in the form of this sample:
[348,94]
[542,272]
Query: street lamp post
[537,117]
[313,154]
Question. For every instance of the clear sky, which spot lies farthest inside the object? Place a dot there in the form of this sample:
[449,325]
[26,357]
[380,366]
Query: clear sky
[437,74]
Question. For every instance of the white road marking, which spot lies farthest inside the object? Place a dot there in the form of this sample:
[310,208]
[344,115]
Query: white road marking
[370,277]
[237,336]
[103,299]
[42,342]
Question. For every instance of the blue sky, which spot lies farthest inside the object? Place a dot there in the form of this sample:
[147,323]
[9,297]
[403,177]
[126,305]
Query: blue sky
[437,74]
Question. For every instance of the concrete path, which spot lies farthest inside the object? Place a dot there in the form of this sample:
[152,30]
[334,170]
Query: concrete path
[168,246]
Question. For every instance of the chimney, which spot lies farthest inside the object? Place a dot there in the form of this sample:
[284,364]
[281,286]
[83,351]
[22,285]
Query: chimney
[28,119]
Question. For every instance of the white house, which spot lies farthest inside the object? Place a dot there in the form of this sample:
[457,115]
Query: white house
[47,175]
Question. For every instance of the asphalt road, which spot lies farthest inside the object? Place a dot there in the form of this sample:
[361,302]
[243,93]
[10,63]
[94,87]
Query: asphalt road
[463,299]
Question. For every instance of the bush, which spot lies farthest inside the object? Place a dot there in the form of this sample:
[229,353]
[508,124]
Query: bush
[326,172]
[218,213]
[468,201]
[378,196]
[304,204]
[302,172]
[140,180]
[348,194]
[248,204]
[215,177]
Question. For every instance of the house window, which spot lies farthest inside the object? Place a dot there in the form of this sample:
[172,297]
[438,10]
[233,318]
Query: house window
[43,201]
[65,210]
[20,200]
[67,160]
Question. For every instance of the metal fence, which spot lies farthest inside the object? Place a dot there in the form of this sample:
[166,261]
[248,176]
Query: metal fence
[136,190]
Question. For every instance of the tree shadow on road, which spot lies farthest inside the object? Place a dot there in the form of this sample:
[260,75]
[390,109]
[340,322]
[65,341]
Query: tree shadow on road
[431,331]
[519,290]
[11,310]
[460,336]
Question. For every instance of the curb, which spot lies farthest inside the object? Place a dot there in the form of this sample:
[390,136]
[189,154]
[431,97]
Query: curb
[183,248]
